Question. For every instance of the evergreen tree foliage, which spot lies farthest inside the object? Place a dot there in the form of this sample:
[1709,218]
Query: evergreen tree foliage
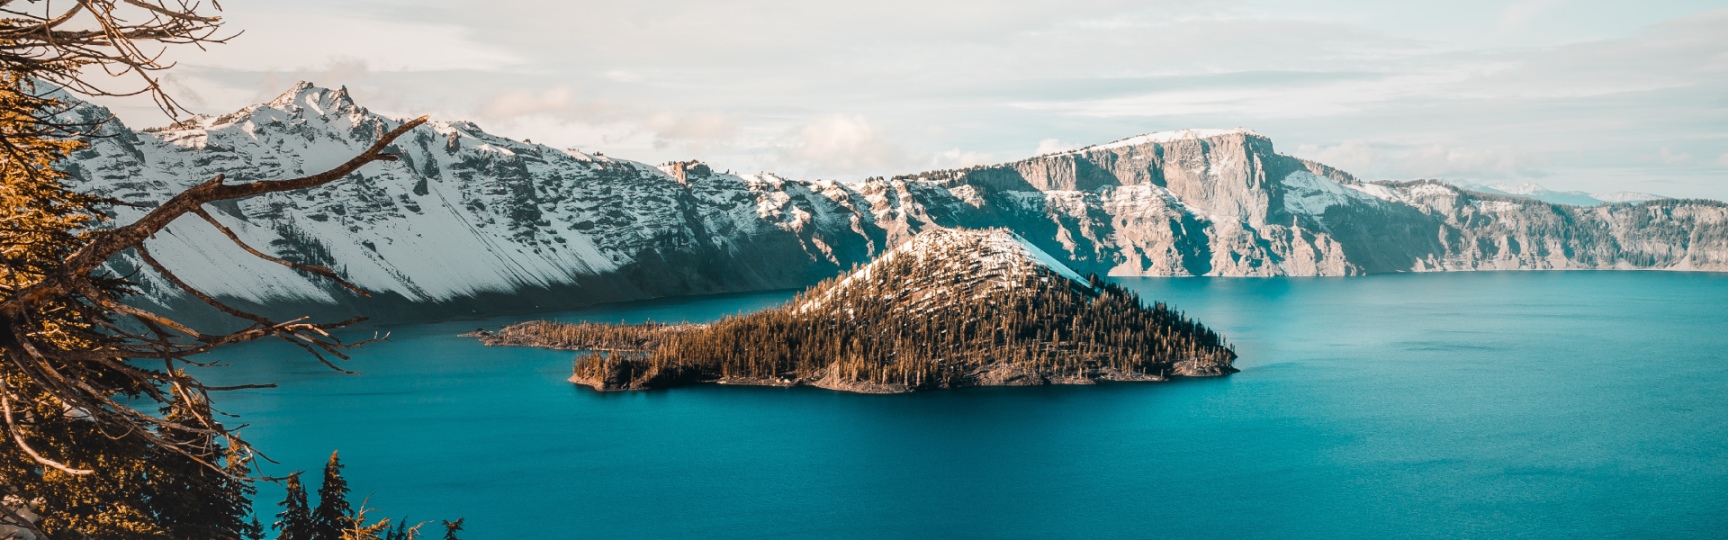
[402,531]
[333,515]
[109,484]
[191,500]
[295,520]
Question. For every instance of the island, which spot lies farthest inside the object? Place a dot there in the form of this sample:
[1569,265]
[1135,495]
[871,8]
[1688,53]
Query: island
[949,308]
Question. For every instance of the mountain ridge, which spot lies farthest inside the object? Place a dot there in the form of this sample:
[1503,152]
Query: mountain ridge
[470,223]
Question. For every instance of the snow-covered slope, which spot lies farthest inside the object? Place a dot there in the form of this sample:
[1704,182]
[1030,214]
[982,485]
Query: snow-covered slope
[472,223]
[988,260]
[464,215]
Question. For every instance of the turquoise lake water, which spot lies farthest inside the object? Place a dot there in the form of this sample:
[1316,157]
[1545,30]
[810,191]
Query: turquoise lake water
[1485,405]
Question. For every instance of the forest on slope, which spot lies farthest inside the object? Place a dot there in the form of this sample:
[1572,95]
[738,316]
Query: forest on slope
[951,308]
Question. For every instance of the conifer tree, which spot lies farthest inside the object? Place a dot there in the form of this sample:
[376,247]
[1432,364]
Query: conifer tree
[402,531]
[238,489]
[295,520]
[188,498]
[333,514]
[359,529]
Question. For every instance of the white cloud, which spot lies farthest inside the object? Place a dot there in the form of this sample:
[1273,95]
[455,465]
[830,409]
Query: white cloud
[1356,157]
[684,131]
[957,159]
[843,144]
[1051,146]
[1383,89]
[624,76]
[334,72]
[560,102]
[1722,160]
[1669,157]
[277,37]
[1517,15]
[696,131]
[1457,161]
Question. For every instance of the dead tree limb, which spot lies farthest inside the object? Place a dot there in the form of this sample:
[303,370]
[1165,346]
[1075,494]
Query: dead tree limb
[85,367]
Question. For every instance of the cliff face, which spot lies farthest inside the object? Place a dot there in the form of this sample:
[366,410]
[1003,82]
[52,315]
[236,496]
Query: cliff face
[468,222]
[1494,232]
[1222,203]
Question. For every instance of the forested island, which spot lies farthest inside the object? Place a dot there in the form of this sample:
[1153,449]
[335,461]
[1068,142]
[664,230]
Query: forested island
[950,308]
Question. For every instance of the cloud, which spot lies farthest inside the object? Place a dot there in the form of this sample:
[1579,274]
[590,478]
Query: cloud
[277,37]
[1669,157]
[1382,89]
[695,131]
[841,144]
[1456,161]
[1315,97]
[684,131]
[623,76]
[184,91]
[1722,160]
[1356,157]
[336,71]
[956,159]
[1051,146]
[1517,15]
[560,102]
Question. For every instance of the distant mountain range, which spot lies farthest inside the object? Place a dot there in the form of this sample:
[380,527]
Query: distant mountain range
[1574,198]
[471,223]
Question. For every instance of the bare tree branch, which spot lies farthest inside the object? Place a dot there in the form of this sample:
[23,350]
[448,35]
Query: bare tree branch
[105,244]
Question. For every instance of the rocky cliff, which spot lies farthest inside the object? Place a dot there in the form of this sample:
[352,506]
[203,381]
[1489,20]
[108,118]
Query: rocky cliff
[469,222]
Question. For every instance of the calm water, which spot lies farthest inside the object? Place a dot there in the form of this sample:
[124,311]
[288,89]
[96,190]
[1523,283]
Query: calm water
[1490,405]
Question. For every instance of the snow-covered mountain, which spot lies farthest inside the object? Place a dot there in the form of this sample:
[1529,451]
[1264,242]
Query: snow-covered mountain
[469,222]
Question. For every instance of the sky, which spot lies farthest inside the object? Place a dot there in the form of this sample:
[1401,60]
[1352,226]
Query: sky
[1596,96]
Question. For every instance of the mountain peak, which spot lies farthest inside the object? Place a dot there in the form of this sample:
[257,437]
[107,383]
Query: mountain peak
[310,96]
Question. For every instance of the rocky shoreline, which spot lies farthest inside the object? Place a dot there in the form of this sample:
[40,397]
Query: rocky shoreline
[989,376]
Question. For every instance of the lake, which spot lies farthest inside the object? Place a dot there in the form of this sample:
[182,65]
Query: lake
[1472,405]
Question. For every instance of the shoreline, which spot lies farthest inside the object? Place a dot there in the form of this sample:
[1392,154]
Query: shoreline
[836,384]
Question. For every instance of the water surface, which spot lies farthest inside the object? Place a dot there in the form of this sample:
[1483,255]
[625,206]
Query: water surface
[1484,405]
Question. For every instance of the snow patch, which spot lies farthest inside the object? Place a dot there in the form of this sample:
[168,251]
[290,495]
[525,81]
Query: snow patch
[1498,206]
[1376,191]
[1309,194]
